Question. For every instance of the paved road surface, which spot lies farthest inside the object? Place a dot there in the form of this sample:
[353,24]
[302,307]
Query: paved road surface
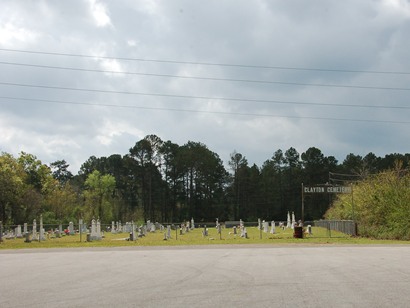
[216,276]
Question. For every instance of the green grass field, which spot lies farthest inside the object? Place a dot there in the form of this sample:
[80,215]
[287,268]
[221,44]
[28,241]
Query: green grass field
[319,236]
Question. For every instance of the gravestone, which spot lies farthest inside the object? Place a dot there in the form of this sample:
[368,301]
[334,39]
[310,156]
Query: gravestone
[168,232]
[244,233]
[18,232]
[192,224]
[41,236]
[289,223]
[265,226]
[27,237]
[60,230]
[272,228]
[71,230]
[34,232]
[25,230]
[132,233]
[99,233]
[205,231]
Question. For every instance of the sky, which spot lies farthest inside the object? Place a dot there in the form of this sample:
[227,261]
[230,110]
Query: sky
[93,77]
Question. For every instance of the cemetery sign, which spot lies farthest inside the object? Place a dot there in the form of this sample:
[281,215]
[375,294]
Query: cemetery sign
[327,189]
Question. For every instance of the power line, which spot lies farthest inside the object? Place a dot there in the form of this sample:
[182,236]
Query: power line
[207,63]
[204,111]
[196,97]
[205,78]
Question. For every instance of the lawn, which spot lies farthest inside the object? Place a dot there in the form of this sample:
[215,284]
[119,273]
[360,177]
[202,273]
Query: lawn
[194,237]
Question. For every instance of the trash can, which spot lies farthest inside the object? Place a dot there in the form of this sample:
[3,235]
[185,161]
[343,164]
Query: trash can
[298,232]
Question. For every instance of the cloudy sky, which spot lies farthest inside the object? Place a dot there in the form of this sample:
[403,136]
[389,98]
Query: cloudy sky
[82,78]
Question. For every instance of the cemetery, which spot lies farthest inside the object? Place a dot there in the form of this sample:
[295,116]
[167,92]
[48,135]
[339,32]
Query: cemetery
[94,234]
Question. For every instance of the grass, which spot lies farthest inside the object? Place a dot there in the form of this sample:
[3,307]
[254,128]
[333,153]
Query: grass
[319,236]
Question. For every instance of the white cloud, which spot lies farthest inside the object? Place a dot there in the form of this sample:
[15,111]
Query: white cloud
[100,14]
[11,34]
[398,7]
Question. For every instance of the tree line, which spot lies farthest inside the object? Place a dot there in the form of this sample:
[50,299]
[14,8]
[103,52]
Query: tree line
[166,182]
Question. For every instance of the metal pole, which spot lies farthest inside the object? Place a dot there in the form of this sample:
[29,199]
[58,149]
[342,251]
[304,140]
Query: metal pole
[80,223]
[303,206]
[352,204]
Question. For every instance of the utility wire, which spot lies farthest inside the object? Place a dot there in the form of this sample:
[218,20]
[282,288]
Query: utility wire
[198,97]
[206,63]
[205,111]
[205,78]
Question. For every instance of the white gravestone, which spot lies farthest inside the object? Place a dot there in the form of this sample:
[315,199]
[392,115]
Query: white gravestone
[34,236]
[18,232]
[265,226]
[272,228]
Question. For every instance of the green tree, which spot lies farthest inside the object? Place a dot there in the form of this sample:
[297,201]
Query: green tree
[239,166]
[12,189]
[98,195]
[60,171]
[380,205]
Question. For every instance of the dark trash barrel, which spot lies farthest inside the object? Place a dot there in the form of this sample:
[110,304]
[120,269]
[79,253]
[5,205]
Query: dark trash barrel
[298,232]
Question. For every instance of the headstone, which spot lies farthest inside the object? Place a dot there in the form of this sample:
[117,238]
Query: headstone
[293,220]
[71,230]
[265,226]
[41,236]
[309,229]
[34,232]
[148,225]
[272,227]
[99,234]
[243,232]
[205,231]
[25,230]
[113,230]
[27,237]
[168,232]
[192,224]
[289,223]
[93,234]
[18,232]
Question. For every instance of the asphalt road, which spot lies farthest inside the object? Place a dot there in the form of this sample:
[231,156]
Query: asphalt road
[207,276]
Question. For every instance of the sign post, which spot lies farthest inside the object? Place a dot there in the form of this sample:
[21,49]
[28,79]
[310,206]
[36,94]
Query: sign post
[303,206]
